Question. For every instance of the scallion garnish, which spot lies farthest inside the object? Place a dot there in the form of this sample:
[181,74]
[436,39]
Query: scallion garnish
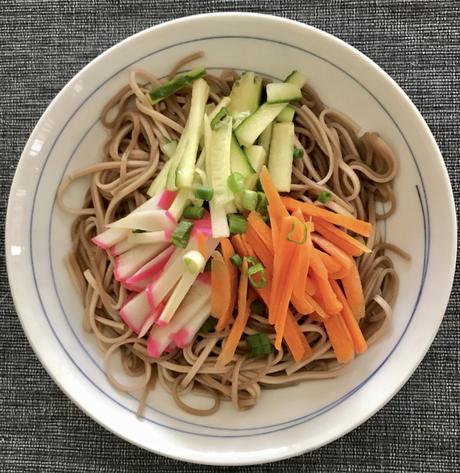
[204,193]
[305,232]
[324,197]
[181,234]
[220,114]
[236,224]
[193,212]
[249,199]
[257,270]
[235,182]
[194,261]
[297,153]
[259,344]
[236,260]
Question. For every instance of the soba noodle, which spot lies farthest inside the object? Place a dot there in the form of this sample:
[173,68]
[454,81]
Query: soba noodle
[357,170]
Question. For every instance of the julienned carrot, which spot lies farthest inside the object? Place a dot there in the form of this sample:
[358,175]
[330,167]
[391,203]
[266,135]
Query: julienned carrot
[201,240]
[241,320]
[310,286]
[295,240]
[220,286]
[320,278]
[227,253]
[345,260]
[354,292]
[332,265]
[255,221]
[293,335]
[340,338]
[358,226]
[359,342]
[248,247]
[257,244]
[342,240]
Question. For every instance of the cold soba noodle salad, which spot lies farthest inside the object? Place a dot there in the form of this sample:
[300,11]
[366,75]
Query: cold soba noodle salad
[228,241]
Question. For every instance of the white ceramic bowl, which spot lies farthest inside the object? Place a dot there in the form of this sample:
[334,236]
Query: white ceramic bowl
[286,422]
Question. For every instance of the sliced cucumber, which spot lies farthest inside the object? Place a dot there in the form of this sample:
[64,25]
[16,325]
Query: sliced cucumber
[296,78]
[159,183]
[168,147]
[266,136]
[257,157]
[250,129]
[287,115]
[239,162]
[176,83]
[281,155]
[224,103]
[245,97]
[278,92]
[183,165]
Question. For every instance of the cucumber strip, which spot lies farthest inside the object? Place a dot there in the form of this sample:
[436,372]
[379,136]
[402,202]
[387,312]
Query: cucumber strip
[217,159]
[296,78]
[225,102]
[281,156]
[176,83]
[266,136]
[168,148]
[278,92]
[257,157]
[238,160]
[219,223]
[245,97]
[159,183]
[251,128]
[287,115]
[182,169]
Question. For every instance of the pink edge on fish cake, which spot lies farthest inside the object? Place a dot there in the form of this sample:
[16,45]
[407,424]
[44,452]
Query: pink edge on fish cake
[148,322]
[170,348]
[127,321]
[181,338]
[171,217]
[116,269]
[166,200]
[205,278]
[153,267]
[161,323]
[168,234]
[131,287]
[95,240]
[150,297]
[153,348]
[157,312]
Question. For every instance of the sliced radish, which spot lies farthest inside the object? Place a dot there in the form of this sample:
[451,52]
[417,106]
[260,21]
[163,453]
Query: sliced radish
[148,220]
[153,267]
[131,261]
[198,296]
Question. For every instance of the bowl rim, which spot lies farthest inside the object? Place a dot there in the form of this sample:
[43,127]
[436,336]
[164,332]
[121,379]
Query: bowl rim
[341,44]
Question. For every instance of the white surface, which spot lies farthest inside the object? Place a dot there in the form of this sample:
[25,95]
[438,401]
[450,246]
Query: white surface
[285,422]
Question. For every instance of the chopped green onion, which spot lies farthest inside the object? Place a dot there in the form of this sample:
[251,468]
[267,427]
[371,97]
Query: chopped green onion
[220,114]
[176,83]
[236,260]
[193,212]
[249,199]
[258,187]
[235,182]
[305,233]
[324,197]
[208,325]
[207,266]
[181,234]
[168,147]
[258,307]
[297,153]
[137,230]
[236,223]
[204,193]
[194,261]
[257,269]
[259,344]
[262,201]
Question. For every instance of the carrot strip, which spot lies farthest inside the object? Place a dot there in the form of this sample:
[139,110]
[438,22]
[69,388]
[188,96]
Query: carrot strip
[264,232]
[354,292]
[259,248]
[320,278]
[310,286]
[351,223]
[201,240]
[342,240]
[345,260]
[359,342]
[227,253]
[340,338]
[241,320]
[220,286]
[332,265]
